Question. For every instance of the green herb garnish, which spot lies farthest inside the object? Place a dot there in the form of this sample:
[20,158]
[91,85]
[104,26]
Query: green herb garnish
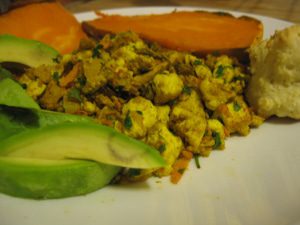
[56,59]
[55,76]
[220,71]
[81,80]
[197,62]
[96,51]
[237,78]
[128,121]
[236,106]
[74,94]
[187,90]
[217,139]
[197,161]
[162,148]
[173,102]
[139,112]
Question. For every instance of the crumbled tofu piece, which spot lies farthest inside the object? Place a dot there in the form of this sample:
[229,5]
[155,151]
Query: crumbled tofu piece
[217,132]
[188,119]
[166,87]
[96,76]
[163,114]
[235,115]
[167,143]
[139,115]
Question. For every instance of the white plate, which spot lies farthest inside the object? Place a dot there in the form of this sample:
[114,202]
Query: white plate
[254,181]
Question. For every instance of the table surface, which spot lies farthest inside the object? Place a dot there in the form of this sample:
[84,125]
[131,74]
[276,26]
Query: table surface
[282,9]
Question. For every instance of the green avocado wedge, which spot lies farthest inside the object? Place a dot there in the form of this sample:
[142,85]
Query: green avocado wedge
[4,73]
[82,141]
[12,94]
[49,179]
[27,52]
[14,120]
[19,112]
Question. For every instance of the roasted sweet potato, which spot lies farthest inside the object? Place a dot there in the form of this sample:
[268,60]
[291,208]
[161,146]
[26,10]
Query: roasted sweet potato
[47,22]
[198,31]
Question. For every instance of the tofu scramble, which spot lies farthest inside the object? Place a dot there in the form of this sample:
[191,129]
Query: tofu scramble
[182,105]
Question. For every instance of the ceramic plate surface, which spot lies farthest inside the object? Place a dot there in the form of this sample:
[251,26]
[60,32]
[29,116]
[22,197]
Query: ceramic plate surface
[254,181]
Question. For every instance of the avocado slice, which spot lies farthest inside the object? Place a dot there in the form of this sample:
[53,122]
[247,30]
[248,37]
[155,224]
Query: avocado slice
[82,141]
[48,179]
[14,120]
[4,73]
[12,94]
[19,112]
[24,51]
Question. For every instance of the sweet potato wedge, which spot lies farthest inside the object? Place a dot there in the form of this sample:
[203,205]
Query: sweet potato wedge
[47,22]
[198,31]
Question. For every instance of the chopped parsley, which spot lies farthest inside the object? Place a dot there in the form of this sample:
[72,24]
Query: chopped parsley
[162,148]
[74,94]
[56,59]
[187,90]
[55,76]
[128,121]
[24,86]
[197,62]
[217,139]
[139,112]
[81,80]
[197,161]
[220,71]
[173,102]
[237,78]
[236,106]
[96,51]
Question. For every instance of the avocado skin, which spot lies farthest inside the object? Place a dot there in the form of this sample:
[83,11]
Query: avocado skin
[24,51]
[52,179]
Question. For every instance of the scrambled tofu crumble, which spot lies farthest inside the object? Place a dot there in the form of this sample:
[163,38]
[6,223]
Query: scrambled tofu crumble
[180,104]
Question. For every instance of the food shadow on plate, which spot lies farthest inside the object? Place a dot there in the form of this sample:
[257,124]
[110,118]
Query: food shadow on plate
[281,120]
[134,186]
